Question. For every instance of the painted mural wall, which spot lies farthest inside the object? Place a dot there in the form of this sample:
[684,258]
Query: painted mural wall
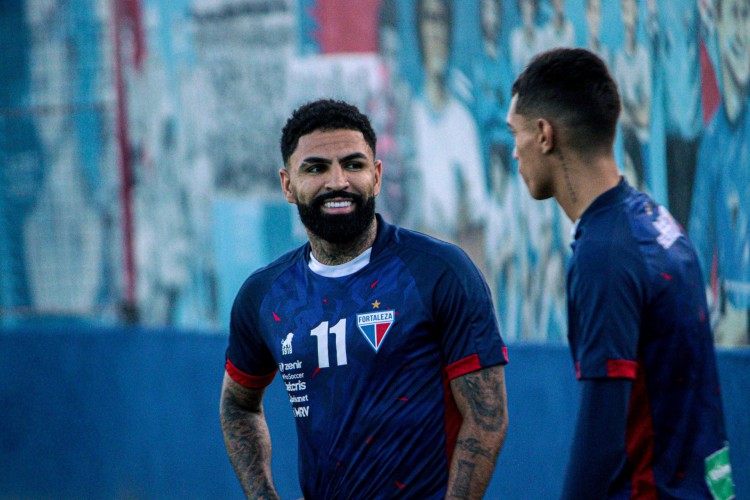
[139,142]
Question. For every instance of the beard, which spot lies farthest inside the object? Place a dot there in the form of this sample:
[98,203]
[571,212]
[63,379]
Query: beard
[338,229]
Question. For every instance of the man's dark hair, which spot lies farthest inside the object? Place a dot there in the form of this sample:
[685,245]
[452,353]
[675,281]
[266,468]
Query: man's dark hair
[324,115]
[420,13]
[573,89]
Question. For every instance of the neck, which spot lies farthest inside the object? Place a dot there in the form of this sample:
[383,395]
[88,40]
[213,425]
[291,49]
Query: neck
[490,48]
[332,254]
[435,90]
[582,180]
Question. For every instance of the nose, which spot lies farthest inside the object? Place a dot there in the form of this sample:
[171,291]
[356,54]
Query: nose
[338,179]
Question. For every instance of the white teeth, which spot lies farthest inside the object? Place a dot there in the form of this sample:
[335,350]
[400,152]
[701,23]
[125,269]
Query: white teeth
[337,204]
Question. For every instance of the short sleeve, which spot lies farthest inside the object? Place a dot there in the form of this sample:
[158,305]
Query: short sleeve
[467,327]
[248,360]
[605,304]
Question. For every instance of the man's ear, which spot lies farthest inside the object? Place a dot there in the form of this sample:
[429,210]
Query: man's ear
[286,185]
[378,176]
[545,135]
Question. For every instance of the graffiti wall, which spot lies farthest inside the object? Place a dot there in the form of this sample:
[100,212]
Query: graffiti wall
[139,146]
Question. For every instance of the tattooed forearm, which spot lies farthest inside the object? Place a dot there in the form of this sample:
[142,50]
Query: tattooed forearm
[474,447]
[462,484]
[247,439]
[486,400]
[480,398]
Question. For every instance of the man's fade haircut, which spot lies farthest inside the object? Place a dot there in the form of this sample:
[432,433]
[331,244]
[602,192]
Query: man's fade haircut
[324,115]
[572,88]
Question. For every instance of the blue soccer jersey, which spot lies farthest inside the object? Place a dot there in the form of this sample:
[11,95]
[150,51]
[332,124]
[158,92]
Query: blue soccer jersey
[637,310]
[366,359]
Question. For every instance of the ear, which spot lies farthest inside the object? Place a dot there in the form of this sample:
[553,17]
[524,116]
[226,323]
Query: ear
[545,135]
[378,176]
[286,185]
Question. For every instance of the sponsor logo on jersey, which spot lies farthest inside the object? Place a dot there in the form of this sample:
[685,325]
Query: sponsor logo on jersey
[290,366]
[286,344]
[719,475]
[668,228]
[301,411]
[375,326]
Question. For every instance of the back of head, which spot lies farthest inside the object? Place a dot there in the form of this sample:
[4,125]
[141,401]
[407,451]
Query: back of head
[573,89]
[322,115]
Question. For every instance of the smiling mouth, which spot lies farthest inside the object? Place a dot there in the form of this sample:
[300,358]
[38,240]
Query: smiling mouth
[338,204]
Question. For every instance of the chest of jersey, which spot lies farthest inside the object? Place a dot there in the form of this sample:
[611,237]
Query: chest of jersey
[355,337]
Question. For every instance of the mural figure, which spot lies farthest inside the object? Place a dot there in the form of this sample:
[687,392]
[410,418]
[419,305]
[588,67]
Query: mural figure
[504,244]
[390,109]
[632,71]
[559,31]
[674,32]
[526,39]
[720,214]
[448,152]
[594,23]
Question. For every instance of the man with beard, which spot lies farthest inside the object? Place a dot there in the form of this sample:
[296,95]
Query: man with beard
[386,339]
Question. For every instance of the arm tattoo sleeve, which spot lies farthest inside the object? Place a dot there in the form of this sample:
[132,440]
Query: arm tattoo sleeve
[247,439]
[481,400]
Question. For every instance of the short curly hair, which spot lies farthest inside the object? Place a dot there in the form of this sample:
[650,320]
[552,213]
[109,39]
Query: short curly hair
[324,114]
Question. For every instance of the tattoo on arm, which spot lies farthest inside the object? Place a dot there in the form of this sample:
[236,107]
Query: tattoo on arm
[474,447]
[462,484]
[247,439]
[480,398]
[485,395]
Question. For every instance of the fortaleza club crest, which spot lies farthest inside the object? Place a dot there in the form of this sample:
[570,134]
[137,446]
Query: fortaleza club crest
[375,326]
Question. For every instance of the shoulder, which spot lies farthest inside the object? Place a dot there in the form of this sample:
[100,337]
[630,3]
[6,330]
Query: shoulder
[426,254]
[609,240]
[259,282]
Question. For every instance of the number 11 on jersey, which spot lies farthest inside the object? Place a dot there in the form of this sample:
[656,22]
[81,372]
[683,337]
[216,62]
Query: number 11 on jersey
[321,333]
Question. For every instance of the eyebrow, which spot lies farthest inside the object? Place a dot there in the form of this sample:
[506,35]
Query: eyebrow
[327,161]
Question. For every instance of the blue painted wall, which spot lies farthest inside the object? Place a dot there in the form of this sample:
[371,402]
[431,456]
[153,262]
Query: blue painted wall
[115,413]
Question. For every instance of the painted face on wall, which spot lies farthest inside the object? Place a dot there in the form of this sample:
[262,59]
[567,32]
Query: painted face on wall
[629,13]
[733,28]
[528,12]
[594,16]
[489,12]
[435,33]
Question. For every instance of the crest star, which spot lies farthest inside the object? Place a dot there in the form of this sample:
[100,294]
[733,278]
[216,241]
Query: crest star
[376,305]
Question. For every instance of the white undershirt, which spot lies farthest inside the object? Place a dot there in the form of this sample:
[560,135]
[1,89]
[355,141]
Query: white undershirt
[340,270]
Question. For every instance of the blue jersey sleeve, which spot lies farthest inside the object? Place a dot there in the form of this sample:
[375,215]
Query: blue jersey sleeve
[248,360]
[466,324]
[606,297]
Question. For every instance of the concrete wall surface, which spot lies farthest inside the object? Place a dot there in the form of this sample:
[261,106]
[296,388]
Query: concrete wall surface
[133,413]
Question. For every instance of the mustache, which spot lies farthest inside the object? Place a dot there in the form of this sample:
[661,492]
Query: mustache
[319,200]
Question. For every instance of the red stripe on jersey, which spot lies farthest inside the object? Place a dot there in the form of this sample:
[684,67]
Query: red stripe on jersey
[251,381]
[463,366]
[640,442]
[453,420]
[505,354]
[621,368]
